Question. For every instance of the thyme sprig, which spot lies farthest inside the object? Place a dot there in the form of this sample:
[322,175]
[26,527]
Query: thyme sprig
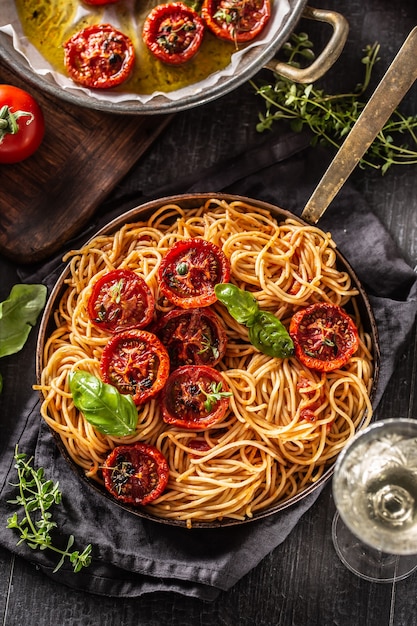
[36,496]
[214,395]
[330,117]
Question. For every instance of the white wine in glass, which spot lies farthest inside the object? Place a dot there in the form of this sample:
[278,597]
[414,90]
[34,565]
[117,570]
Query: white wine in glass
[375,492]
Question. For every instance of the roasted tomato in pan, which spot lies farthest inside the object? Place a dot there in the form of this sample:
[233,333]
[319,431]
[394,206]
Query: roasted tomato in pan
[324,336]
[136,474]
[189,272]
[173,32]
[121,300]
[99,56]
[192,337]
[22,124]
[236,20]
[195,397]
[136,363]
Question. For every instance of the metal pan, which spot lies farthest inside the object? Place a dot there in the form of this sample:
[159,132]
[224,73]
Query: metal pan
[189,201]
[252,62]
[398,79]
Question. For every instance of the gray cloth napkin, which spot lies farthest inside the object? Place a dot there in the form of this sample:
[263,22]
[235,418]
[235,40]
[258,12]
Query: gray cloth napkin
[134,556]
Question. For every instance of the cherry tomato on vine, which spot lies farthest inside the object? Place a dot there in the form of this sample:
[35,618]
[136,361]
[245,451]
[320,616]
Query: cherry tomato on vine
[99,56]
[136,363]
[195,397]
[22,125]
[192,336]
[121,300]
[136,474]
[173,32]
[236,20]
[324,336]
[189,272]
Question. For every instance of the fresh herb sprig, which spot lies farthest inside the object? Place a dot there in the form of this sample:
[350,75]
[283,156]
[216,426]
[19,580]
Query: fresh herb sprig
[331,117]
[214,395]
[36,495]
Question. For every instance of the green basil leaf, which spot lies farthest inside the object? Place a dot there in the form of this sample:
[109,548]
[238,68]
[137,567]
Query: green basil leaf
[241,304]
[18,314]
[266,332]
[102,405]
[270,336]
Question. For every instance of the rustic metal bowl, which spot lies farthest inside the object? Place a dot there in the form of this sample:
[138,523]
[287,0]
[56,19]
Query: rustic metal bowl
[188,201]
[252,62]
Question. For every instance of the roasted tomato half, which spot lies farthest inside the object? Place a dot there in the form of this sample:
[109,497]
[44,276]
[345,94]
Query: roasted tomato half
[136,363]
[195,397]
[236,20]
[99,56]
[136,474]
[192,337]
[121,300]
[324,336]
[173,32]
[189,272]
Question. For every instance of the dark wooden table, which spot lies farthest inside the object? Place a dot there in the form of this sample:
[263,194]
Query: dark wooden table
[302,582]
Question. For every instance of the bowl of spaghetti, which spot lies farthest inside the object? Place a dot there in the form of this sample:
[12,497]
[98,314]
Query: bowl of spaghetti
[285,424]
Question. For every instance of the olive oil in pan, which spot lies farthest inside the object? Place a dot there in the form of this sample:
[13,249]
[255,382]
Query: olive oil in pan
[49,23]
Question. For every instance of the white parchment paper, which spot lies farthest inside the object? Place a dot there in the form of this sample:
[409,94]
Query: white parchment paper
[10,25]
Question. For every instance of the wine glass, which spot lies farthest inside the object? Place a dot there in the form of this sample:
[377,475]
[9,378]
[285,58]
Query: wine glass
[374,530]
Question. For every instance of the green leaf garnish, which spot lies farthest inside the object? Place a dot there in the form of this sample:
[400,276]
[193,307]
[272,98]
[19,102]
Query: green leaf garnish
[102,405]
[214,395]
[18,314]
[266,331]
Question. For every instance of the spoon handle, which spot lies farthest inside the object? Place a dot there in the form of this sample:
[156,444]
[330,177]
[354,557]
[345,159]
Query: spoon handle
[396,82]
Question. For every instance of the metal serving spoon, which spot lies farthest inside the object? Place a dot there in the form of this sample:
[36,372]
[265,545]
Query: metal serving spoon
[396,82]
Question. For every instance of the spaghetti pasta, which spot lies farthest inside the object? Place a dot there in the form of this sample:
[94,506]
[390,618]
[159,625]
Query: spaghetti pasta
[286,424]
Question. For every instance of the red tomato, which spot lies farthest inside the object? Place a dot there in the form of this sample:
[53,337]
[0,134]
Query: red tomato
[173,32]
[312,400]
[121,300]
[136,363]
[136,474]
[192,337]
[99,56]
[324,336]
[199,445]
[23,124]
[236,20]
[195,397]
[189,272]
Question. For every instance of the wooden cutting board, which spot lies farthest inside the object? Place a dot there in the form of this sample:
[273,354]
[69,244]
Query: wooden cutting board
[47,199]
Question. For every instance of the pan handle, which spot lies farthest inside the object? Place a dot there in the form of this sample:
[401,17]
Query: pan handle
[328,56]
[396,82]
